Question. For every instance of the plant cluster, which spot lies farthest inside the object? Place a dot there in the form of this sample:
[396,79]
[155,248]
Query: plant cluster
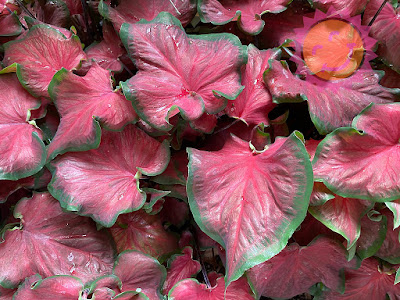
[183,149]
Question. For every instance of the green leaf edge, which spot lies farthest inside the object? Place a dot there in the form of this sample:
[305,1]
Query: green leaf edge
[332,226]
[168,19]
[376,245]
[19,175]
[271,251]
[160,266]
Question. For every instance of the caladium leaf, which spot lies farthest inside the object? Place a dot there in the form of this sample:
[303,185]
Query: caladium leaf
[192,289]
[140,272]
[132,11]
[342,215]
[180,73]
[40,54]
[247,12]
[350,7]
[107,52]
[295,269]
[320,194]
[175,211]
[391,78]
[83,103]
[143,232]
[390,249]
[17,132]
[334,104]
[394,206]
[55,287]
[386,29]
[255,102]
[9,25]
[350,163]
[251,234]
[6,294]
[181,267]
[373,233]
[369,280]
[119,162]
[51,242]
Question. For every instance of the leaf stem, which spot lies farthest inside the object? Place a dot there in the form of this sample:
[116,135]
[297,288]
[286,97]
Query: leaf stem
[378,12]
[25,9]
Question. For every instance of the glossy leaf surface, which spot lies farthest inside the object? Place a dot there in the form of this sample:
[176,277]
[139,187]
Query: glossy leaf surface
[51,242]
[363,165]
[178,73]
[118,164]
[17,133]
[255,102]
[250,203]
[83,103]
[41,53]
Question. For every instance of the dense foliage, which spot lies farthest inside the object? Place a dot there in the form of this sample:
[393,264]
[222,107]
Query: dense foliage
[183,149]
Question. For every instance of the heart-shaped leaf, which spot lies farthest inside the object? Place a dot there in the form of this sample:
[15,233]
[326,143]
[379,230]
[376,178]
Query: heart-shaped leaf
[181,267]
[40,54]
[83,103]
[118,163]
[51,242]
[250,203]
[247,12]
[363,165]
[132,11]
[9,25]
[333,104]
[295,269]
[255,102]
[140,272]
[18,132]
[180,73]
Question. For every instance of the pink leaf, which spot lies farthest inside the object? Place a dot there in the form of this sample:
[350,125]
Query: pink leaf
[107,52]
[17,132]
[247,12]
[295,269]
[192,289]
[386,29]
[9,25]
[55,287]
[373,233]
[351,7]
[40,54]
[394,206]
[363,165]
[390,249]
[143,232]
[332,105]
[139,271]
[342,215]
[178,73]
[255,102]
[181,267]
[82,103]
[132,11]
[118,162]
[6,294]
[250,203]
[8,187]
[51,242]
[370,280]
